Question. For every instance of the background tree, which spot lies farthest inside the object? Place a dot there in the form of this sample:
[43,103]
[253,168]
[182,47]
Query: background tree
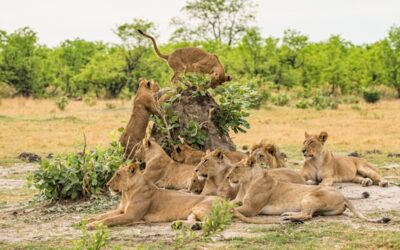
[223,21]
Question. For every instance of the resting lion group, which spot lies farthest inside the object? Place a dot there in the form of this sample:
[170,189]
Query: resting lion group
[185,184]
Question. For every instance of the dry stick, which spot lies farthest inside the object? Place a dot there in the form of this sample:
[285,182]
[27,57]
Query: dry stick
[85,191]
[126,146]
[133,149]
[167,127]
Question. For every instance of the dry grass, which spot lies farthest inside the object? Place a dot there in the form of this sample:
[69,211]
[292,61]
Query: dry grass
[38,126]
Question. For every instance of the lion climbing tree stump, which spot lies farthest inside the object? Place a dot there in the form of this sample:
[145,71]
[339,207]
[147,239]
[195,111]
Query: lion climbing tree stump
[191,107]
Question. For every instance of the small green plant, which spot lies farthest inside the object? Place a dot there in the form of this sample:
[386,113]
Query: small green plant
[194,134]
[320,102]
[355,107]
[110,105]
[302,104]
[280,99]
[90,99]
[62,103]
[371,95]
[95,241]
[73,176]
[217,221]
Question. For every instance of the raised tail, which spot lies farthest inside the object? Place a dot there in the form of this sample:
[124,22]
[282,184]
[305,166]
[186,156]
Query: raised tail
[254,220]
[154,45]
[363,217]
[363,196]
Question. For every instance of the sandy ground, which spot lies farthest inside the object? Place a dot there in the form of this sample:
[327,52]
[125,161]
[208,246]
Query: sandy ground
[24,222]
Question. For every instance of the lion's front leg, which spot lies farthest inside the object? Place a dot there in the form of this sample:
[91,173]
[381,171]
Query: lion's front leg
[327,181]
[120,219]
[105,215]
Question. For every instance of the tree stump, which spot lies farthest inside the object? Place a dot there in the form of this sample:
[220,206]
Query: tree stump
[191,107]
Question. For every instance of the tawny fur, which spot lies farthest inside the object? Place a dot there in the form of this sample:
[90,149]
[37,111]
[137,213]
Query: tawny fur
[144,202]
[192,60]
[144,105]
[322,167]
[161,169]
[269,154]
[295,202]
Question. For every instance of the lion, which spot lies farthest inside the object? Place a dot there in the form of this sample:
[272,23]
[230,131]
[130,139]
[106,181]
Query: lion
[322,167]
[184,153]
[249,168]
[192,60]
[213,168]
[144,105]
[161,169]
[144,202]
[268,154]
[196,186]
[294,202]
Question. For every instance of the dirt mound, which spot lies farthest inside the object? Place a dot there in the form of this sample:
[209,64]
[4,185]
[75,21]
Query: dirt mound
[190,106]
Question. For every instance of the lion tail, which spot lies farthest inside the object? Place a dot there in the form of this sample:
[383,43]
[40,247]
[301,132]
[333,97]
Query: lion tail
[243,218]
[163,56]
[364,195]
[363,217]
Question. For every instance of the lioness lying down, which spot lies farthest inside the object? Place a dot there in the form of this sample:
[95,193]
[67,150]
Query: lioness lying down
[161,169]
[142,202]
[295,202]
[321,166]
[249,169]
[192,60]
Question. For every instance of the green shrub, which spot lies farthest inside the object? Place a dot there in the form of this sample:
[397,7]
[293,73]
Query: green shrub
[280,99]
[194,134]
[62,102]
[219,218]
[73,176]
[302,104]
[110,105]
[320,102]
[94,241]
[90,99]
[371,95]
[6,90]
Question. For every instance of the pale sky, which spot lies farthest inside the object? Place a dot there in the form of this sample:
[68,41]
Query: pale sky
[360,21]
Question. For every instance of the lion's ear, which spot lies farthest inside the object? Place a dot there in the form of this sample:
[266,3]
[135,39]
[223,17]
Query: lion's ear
[132,168]
[148,142]
[148,84]
[306,135]
[178,149]
[323,136]
[271,149]
[218,153]
[251,161]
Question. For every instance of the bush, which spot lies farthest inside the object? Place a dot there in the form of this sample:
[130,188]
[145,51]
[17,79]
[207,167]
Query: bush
[62,103]
[280,99]
[90,99]
[194,134]
[371,95]
[6,90]
[75,176]
[302,104]
[323,102]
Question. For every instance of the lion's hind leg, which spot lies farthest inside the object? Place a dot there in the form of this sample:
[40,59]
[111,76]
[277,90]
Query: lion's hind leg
[363,181]
[364,168]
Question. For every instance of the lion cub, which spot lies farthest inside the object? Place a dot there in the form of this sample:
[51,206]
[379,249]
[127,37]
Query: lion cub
[143,202]
[161,169]
[213,168]
[144,105]
[321,166]
[192,60]
[295,202]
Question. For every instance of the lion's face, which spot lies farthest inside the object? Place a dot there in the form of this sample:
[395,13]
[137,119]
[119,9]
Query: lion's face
[208,166]
[241,172]
[179,152]
[149,84]
[124,178]
[263,158]
[196,186]
[313,145]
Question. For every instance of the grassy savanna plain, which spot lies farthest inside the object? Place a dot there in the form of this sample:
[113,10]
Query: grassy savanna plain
[38,126]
